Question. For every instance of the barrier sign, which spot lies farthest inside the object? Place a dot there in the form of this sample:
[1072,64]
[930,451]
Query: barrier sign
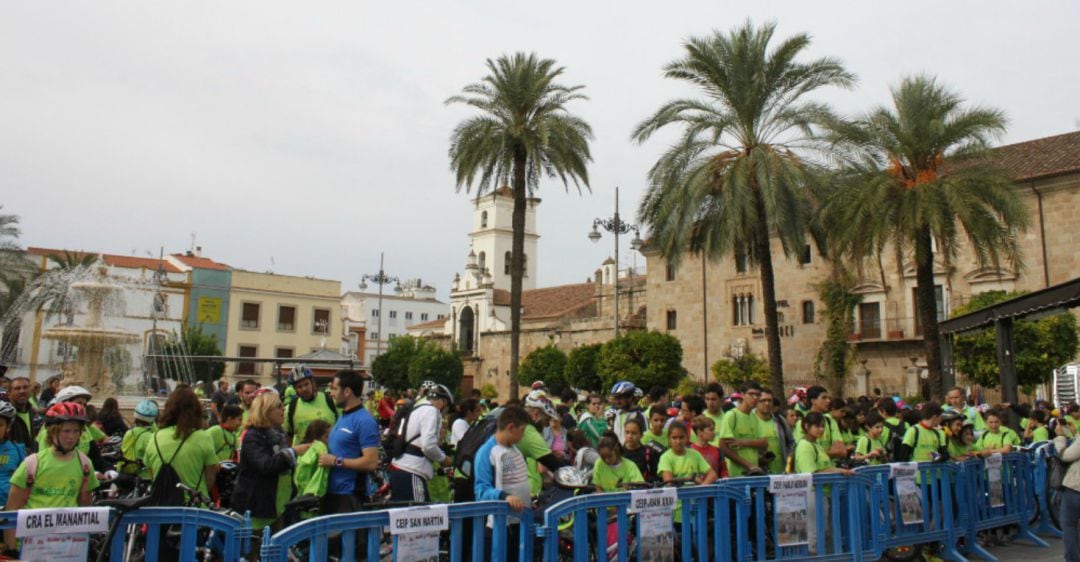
[56,548]
[791,506]
[656,499]
[993,477]
[38,522]
[425,519]
[907,490]
[656,533]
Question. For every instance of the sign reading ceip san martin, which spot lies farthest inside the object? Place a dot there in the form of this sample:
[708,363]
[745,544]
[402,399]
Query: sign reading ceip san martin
[425,519]
[37,522]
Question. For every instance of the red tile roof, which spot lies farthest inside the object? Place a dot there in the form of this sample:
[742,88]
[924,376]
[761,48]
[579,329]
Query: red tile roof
[551,302]
[430,324]
[200,262]
[130,262]
[1040,158]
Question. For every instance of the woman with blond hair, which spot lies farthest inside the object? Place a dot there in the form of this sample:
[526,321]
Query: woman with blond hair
[264,481]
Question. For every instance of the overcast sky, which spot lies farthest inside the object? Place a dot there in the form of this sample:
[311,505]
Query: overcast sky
[307,137]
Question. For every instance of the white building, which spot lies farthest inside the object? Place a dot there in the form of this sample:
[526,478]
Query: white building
[411,303]
[492,235]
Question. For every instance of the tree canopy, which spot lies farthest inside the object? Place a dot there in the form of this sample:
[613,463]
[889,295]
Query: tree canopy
[581,367]
[646,359]
[546,364]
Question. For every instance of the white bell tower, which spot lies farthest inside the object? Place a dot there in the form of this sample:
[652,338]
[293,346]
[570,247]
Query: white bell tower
[491,238]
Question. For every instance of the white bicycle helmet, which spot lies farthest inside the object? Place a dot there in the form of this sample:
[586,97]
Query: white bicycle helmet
[7,411]
[69,393]
[435,390]
[539,399]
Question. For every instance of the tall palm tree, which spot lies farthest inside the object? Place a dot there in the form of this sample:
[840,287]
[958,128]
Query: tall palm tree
[919,173]
[740,173]
[9,244]
[523,132]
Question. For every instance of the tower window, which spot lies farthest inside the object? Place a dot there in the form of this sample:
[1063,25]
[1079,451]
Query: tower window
[670,275]
[482,261]
[672,320]
[506,266]
[483,219]
[808,312]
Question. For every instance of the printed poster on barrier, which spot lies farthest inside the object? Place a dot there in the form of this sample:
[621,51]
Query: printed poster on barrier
[993,477]
[907,492]
[59,535]
[416,532]
[791,494]
[656,533]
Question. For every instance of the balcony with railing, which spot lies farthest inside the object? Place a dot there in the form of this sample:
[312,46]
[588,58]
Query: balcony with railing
[887,329]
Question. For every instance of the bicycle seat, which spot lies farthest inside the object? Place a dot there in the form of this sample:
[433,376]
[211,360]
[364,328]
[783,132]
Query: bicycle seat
[304,503]
[125,504]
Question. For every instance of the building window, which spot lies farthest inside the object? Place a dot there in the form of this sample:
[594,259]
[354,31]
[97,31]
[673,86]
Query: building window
[672,320]
[243,367]
[525,265]
[483,219]
[670,275]
[741,261]
[440,317]
[804,255]
[249,315]
[408,315]
[373,335]
[870,320]
[481,260]
[283,352]
[286,318]
[423,316]
[320,323]
[375,313]
[506,265]
[742,310]
[807,312]
[393,314]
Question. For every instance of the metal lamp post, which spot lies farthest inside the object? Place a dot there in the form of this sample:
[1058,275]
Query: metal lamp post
[381,278]
[616,226]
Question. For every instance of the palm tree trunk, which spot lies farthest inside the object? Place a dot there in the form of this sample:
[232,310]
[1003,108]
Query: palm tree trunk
[924,276]
[763,253]
[517,263]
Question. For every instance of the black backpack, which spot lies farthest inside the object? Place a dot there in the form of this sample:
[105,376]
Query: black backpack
[1055,471]
[394,442]
[468,446]
[896,439]
[163,491]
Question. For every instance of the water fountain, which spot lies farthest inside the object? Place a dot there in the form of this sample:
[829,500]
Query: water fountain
[92,338]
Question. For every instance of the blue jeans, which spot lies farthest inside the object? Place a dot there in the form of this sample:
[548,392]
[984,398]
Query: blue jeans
[1070,523]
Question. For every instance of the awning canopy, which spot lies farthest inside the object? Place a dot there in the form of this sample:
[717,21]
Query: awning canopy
[1046,301]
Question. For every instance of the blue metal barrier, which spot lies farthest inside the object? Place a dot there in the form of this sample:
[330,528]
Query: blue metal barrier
[317,534]
[1042,490]
[844,529]
[1018,494]
[235,533]
[723,509]
[944,508]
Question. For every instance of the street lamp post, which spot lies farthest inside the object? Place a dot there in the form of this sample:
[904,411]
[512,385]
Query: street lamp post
[381,278]
[616,226]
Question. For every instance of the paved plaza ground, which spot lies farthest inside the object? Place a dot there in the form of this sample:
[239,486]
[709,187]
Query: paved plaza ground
[1023,552]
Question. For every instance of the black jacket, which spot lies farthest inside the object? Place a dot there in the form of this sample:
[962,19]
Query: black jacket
[262,460]
[27,436]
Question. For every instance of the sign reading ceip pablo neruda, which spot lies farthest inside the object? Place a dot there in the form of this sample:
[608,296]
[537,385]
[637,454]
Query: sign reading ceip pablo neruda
[37,522]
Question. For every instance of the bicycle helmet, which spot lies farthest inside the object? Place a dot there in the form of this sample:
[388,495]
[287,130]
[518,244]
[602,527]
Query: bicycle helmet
[538,399]
[7,411]
[440,391]
[300,373]
[146,411]
[623,388]
[950,416]
[538,385]
[69,393]
[65,412]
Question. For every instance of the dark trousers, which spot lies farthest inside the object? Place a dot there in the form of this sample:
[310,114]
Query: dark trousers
[407,487]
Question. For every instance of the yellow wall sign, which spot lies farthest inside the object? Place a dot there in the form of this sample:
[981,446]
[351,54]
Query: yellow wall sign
[209,310]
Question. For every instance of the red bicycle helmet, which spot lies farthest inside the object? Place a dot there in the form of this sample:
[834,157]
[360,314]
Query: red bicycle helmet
[64,412]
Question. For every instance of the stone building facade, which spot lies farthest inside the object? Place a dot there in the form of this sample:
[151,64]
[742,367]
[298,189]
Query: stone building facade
[715,308]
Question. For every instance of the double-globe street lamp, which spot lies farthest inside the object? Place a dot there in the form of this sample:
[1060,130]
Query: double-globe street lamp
[381,278]
[616,226]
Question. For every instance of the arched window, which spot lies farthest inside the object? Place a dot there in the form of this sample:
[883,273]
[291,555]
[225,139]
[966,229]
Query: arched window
[506,265]
[482,261]
[483,219]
